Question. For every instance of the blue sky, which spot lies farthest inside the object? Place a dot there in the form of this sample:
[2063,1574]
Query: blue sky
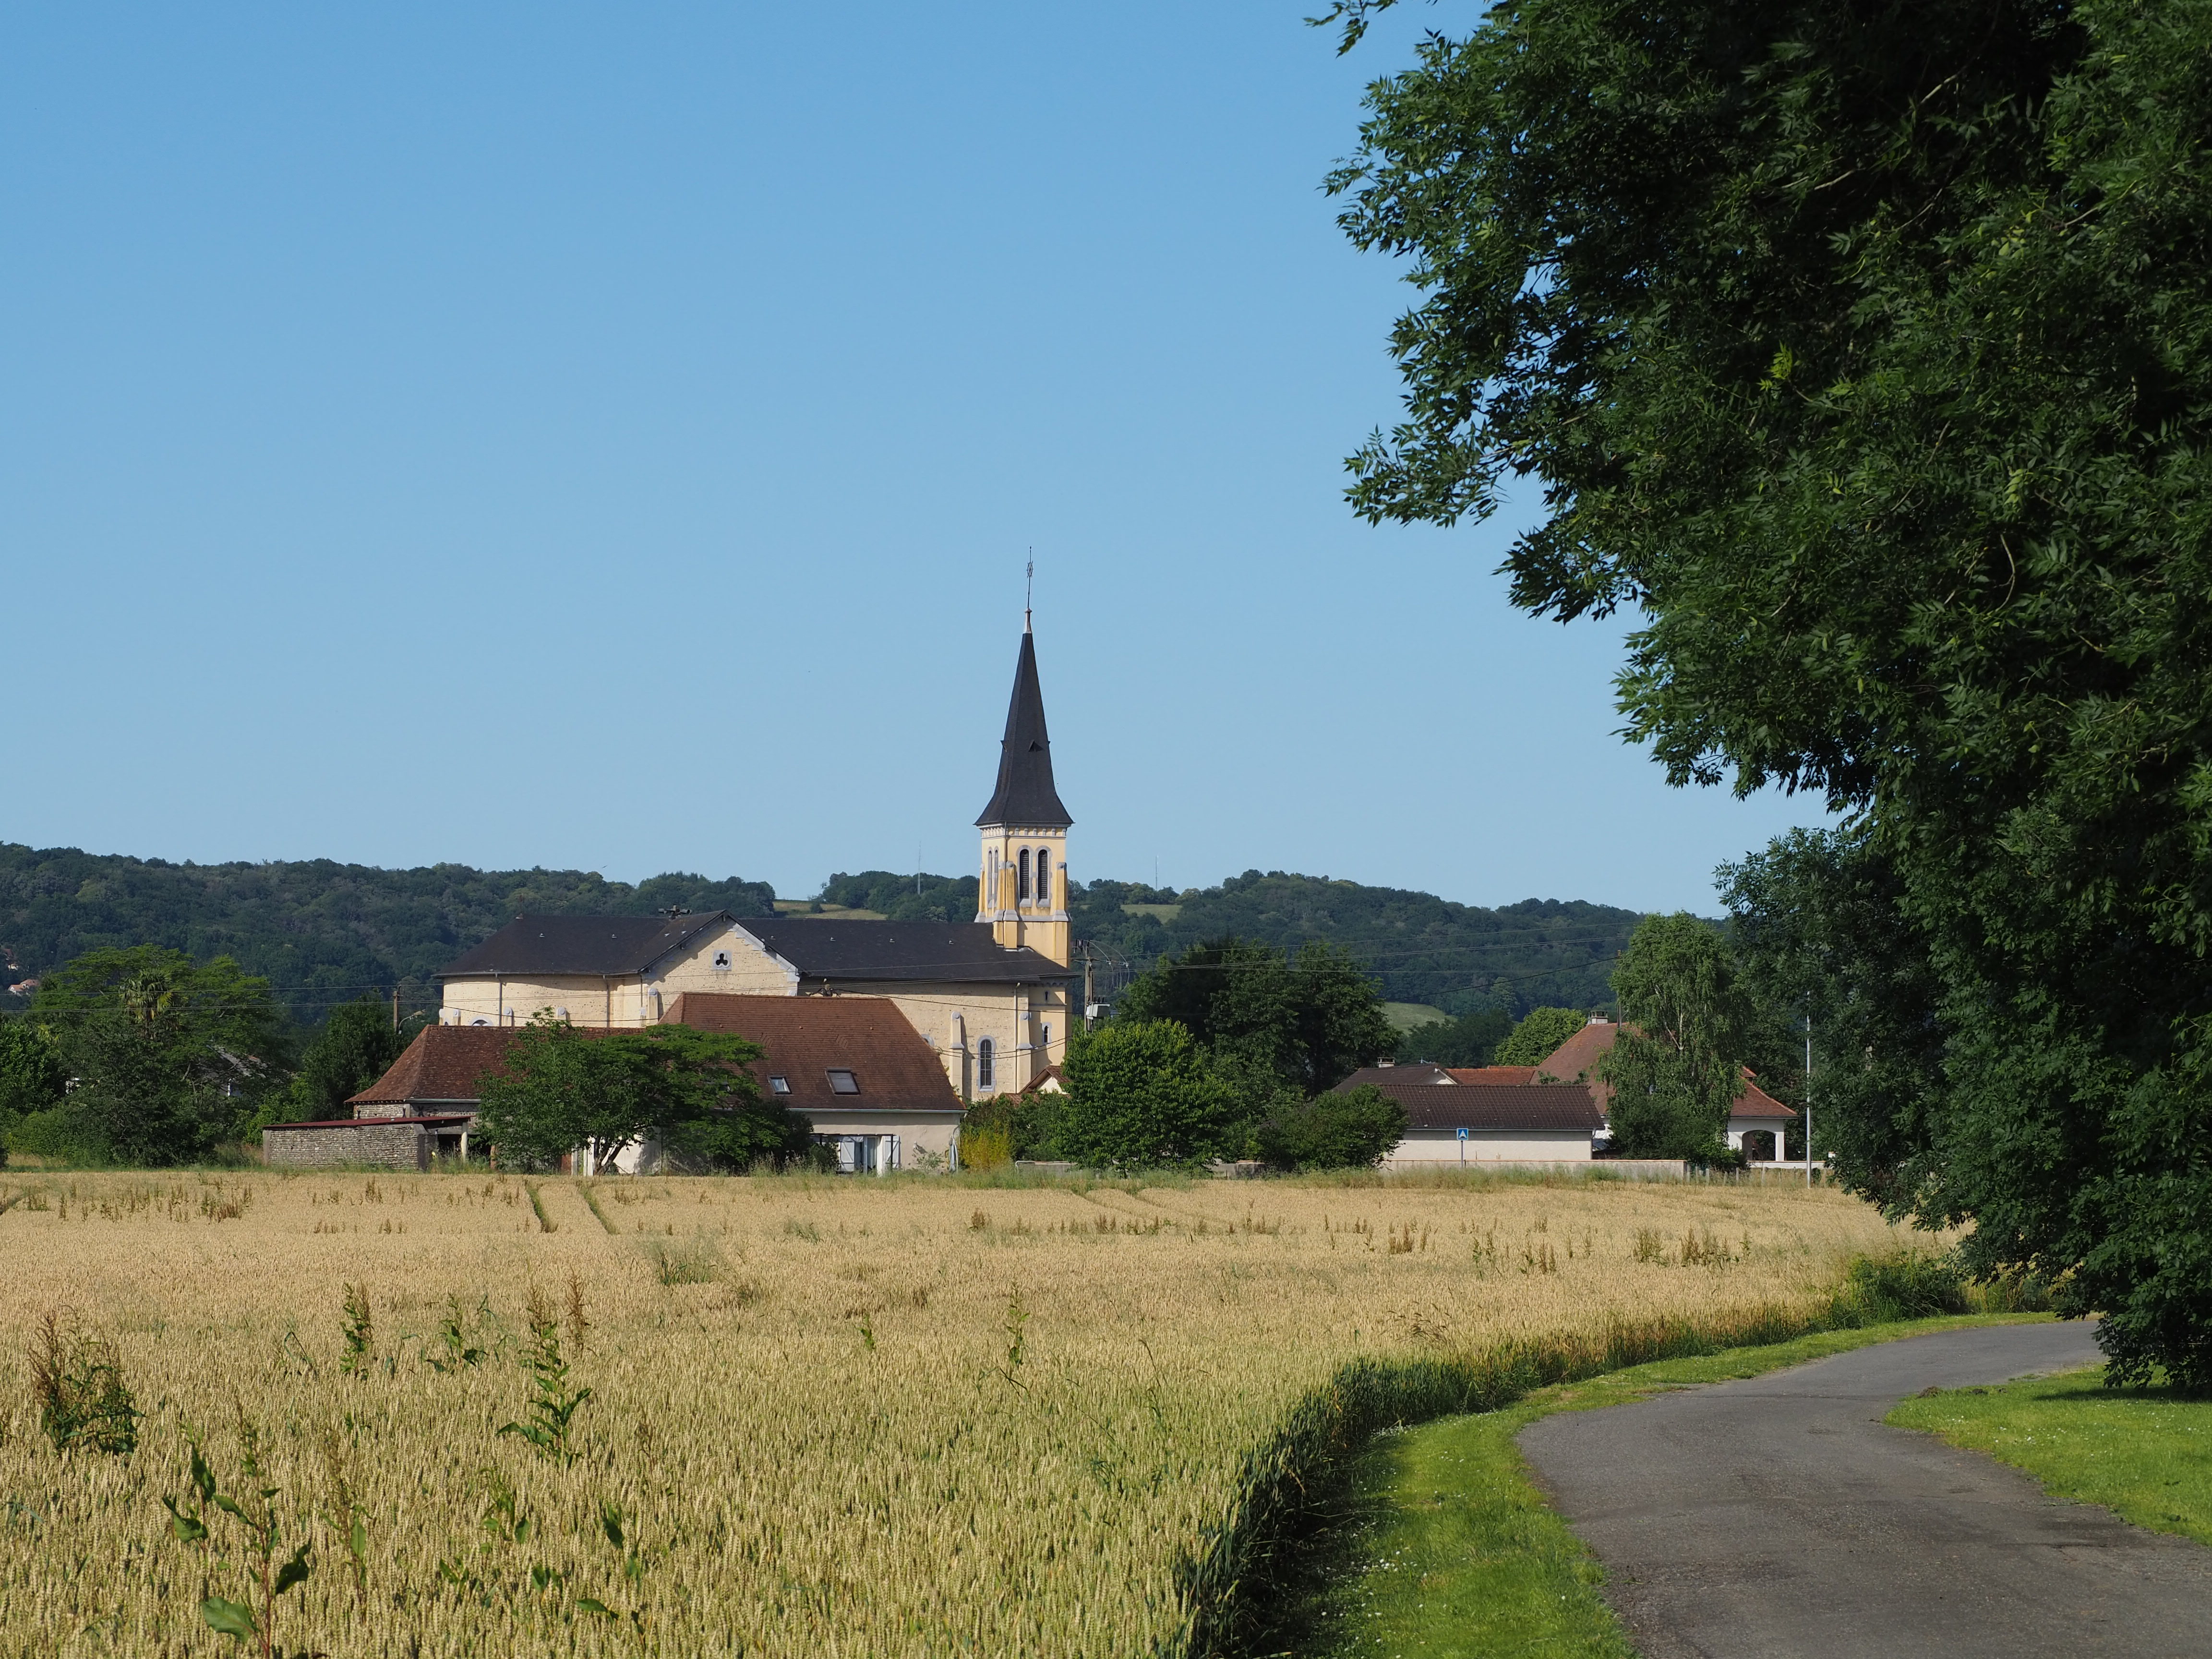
[609,437]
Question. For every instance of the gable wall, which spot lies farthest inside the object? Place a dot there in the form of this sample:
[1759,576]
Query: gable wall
[625,1000]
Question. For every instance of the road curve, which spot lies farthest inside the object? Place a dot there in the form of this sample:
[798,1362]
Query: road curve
[1778,1516]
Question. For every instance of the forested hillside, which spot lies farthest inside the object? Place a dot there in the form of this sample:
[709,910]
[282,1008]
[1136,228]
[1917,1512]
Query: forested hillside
[321,933]
[325,933]
[1422,948]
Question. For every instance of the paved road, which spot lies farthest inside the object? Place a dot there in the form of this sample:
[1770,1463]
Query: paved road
[1778,1516]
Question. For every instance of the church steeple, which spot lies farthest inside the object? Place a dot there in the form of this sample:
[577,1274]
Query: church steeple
[1025,795]
[1023,890]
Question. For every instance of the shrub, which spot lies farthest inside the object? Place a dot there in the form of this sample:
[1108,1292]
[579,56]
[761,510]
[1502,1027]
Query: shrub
[1143,1095]
[1356,1130]
[77,1382]
[1908,1284]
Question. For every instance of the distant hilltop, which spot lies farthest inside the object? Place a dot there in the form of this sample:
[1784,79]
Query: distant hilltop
[325,933]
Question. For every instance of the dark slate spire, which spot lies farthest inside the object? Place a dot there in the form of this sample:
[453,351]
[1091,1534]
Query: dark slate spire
[1025,795]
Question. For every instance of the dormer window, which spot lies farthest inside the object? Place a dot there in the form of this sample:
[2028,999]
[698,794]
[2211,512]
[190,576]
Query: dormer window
[843,1082]
[779,1086]
[722,962]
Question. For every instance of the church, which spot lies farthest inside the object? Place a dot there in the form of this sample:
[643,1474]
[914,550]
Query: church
[994,998]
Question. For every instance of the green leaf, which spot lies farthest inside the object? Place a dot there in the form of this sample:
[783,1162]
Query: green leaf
[611,1522]
[586,1604]
[294,1571]
[188,1530]
[229,1506]
[229,1618]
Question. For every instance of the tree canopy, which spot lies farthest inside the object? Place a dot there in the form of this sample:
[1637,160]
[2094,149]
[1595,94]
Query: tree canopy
[1677,1064]
[1540,1030]
[1271,1022]
[356,1046]
[1866,351]
[564,1088]
[169,1056]
[1142,1094]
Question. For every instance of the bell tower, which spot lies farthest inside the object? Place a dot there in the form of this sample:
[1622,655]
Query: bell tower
[1023,889]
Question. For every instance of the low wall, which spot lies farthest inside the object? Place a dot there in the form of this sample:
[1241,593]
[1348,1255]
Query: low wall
[1422,1148]
[361,1141]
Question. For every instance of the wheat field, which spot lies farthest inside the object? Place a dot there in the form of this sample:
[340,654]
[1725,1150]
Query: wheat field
[896,1417]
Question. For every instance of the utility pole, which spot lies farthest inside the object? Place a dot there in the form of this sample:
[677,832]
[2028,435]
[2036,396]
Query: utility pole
[395,1006]
[1808,1096]
[1087,1004]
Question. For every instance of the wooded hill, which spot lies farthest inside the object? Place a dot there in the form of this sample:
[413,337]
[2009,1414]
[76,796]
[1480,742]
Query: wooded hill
[323,933]
[1421,948]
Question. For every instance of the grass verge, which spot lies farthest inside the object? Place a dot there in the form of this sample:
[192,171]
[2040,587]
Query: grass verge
[1434,1542]
[2144,1454]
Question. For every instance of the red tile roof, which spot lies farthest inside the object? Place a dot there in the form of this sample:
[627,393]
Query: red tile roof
[444,1063]
[1573,1059]
[1579,1053]
[806,1037]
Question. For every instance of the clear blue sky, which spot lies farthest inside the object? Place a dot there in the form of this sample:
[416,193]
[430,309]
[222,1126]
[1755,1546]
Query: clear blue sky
[608,436]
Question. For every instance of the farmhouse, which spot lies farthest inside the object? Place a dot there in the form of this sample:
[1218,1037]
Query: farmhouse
[1452,1121]
[993,997]
[872,1090]
[1757,1121]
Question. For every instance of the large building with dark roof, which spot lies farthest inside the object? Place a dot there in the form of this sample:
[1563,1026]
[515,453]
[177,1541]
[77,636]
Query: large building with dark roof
[992,997]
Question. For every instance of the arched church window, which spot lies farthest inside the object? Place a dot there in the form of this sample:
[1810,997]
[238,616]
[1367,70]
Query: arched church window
[1044,872]
[985,1051]
[1024,880]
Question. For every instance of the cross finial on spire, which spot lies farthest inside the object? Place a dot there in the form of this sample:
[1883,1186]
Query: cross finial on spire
[1028,586]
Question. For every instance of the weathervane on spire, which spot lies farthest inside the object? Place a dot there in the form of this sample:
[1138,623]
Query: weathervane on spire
[1029,584]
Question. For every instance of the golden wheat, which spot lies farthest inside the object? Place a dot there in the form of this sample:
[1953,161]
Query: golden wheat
[857,1418]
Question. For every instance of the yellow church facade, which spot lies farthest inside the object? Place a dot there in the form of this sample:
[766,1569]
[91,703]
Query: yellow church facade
[994,998]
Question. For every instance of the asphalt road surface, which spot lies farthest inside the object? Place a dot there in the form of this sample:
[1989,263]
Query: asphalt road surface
[1778,1516]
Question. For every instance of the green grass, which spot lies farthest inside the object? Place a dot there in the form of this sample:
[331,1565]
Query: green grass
[1408,1016]
[2146,1454]
[1440,1545]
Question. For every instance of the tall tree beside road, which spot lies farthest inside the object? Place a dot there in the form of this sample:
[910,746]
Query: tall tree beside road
[1677,1065]
[1818,928]
[1865,351]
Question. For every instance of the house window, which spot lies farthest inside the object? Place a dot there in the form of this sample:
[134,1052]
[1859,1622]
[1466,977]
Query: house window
[843,1082]
[1023,884]
[985,1051]
[722,961]
[779,1086]
[1044,883]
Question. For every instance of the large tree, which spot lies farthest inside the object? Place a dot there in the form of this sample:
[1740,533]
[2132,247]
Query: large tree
[358,1044]
[168,1056]
[1677,1065]
[1275,1024]
[1141,1094]
[1865,351]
